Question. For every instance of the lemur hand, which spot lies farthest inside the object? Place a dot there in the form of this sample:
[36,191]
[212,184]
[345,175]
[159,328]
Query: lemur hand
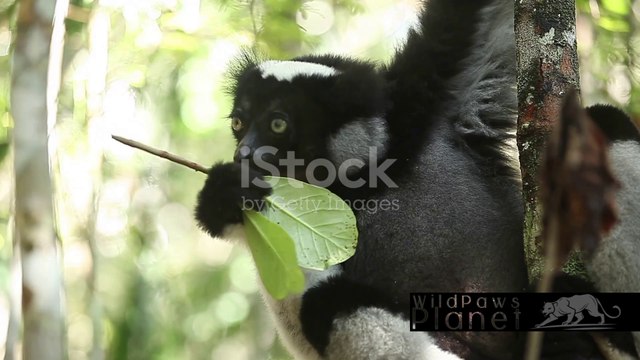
[225,194]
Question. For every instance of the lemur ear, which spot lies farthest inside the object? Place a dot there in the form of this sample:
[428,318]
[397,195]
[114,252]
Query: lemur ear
[359,139]
[244,61]
[359,90]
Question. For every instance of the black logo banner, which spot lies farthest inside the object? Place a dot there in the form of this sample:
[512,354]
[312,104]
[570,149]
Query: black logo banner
[524,311]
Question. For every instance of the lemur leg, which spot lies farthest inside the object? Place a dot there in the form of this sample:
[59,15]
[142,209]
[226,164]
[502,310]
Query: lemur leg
[375,334]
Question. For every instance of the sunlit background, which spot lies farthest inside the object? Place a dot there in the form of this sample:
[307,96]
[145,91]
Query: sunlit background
[141,280]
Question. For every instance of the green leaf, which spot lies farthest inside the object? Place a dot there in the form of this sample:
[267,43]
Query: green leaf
[274,254]
[320,223]
[614,24]
[620,7]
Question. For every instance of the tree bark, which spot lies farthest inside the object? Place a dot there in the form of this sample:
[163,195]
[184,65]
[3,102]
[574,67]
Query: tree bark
[34,87]
[547,63]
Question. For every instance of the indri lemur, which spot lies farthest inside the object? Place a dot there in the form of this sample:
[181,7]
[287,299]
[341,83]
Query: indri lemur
[444,109]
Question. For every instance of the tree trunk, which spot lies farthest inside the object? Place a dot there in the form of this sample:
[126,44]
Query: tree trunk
[547,63]
[34,86]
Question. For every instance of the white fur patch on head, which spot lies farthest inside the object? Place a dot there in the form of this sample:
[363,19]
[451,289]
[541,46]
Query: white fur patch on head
[354,140]
[288,70]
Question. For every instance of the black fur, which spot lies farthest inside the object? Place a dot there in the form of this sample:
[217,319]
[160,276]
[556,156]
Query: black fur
[618,128]
[316,107]
[613,265]
[438,56]
[615,124]
[217,209]
[435,55]
[448,112]
[336,297]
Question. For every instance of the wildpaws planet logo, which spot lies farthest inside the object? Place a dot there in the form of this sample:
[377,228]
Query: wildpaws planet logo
[573,308]
[524,311]
[465,312]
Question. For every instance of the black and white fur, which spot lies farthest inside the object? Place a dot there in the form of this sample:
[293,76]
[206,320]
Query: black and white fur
[615,265]
[445,110]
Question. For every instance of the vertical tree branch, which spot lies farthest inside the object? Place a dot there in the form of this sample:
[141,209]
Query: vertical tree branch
[547,64]
[32,106]
[96,83]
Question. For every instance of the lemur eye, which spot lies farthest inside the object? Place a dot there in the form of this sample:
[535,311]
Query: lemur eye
[236,124]
[278,126]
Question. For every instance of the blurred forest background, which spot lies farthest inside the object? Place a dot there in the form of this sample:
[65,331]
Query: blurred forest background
[141,280]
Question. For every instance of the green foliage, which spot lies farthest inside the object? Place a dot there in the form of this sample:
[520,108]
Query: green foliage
[614,16]
[609,58]
[303,225]
[618,7]
[321,224]
[275,256]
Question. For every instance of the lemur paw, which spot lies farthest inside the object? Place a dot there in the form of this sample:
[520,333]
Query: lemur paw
[225,194]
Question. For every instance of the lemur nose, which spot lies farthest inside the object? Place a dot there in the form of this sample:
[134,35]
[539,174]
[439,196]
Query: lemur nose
[242,152]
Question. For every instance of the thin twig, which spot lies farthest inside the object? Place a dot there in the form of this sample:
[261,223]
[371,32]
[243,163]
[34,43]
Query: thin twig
[161,153]
[535,339]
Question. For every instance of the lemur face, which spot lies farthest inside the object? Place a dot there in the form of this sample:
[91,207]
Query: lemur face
[294,112]
[276,115]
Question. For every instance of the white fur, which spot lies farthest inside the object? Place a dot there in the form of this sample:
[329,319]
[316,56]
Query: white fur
[234,233]
[367,334]
[288,70]
[354,140]
[615,265]
[376,334]
[286,314]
